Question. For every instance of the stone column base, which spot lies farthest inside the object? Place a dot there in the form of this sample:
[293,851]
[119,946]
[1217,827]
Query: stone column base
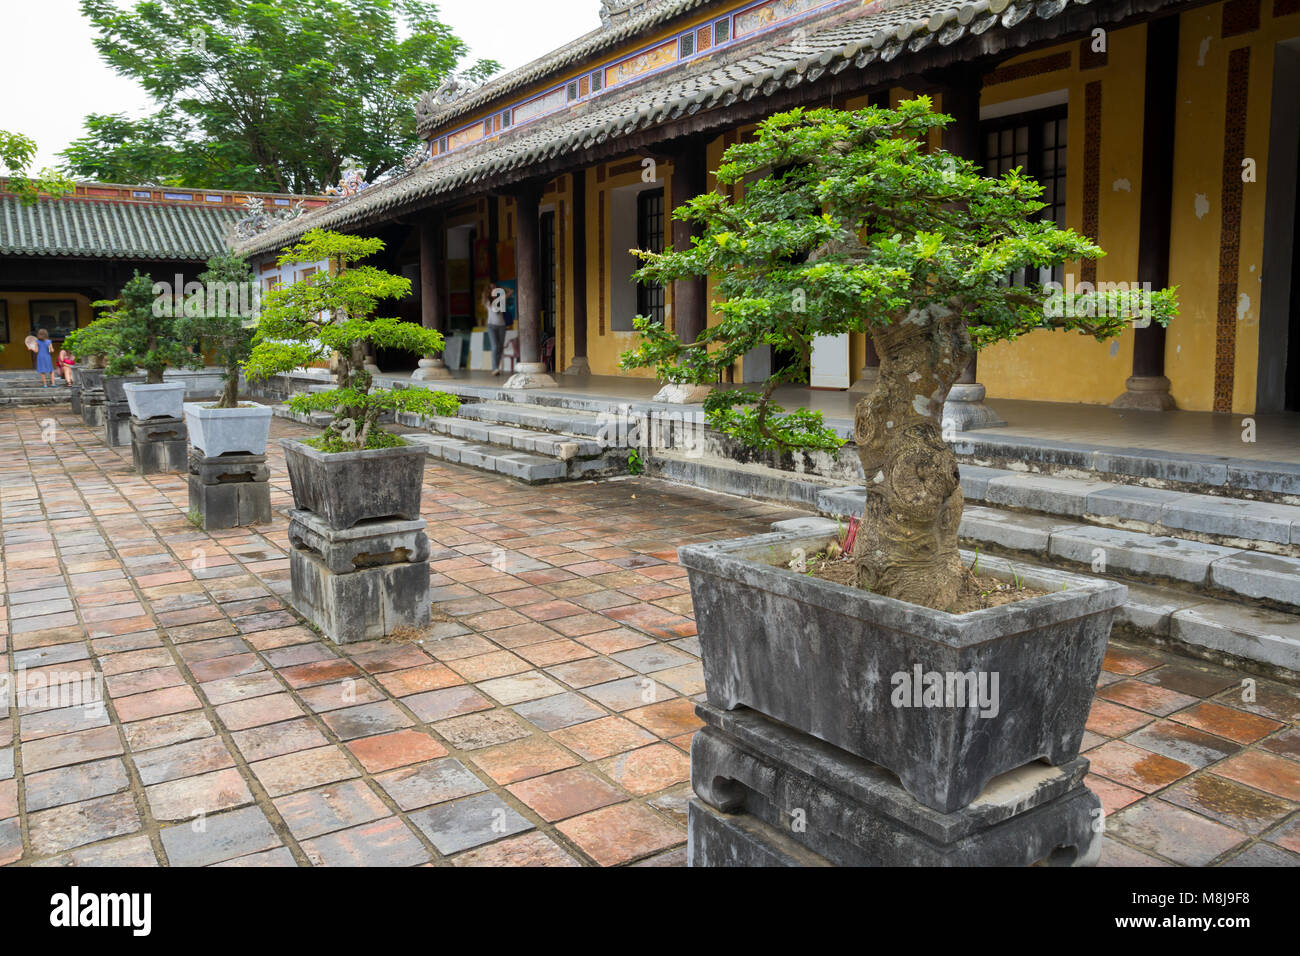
[229,491]
[769,795]
[116,419]
[159,445]
[92,407]
[579,366]
[75,399]
[431,368]
[682,394]
[965,409]
[530,375]
[360,584]
[866,381]
[1146,393]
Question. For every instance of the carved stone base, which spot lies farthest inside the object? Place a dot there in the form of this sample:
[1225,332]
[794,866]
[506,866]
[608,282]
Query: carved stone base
[92,407]
[364,605]
[682,394]
[229,491]
[431,368]
[159,445]
[769,795]
[579,366]
[965,409]
[1146,393]
[866,380]
[116,419]
[530,375]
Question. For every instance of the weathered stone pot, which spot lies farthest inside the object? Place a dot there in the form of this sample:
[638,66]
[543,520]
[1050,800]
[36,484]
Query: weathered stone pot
[165,400]
[351,486]
[114,386]
[90,378]
[221,431]
[852,668]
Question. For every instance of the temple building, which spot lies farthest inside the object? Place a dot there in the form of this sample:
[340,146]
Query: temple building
[1166,130]
[59,255]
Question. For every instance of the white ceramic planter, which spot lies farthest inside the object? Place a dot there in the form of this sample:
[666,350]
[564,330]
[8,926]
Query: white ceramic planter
[221,431]
[155,401]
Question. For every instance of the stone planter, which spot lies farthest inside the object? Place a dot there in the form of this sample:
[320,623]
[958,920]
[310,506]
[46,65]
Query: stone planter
[114,386]
[345,488]
[155,401]
[221,431]
[851,668]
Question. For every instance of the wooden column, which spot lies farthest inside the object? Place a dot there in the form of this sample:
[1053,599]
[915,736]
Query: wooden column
[1147,388]
[690,296]
[531,371]
[432,314]
[579,365]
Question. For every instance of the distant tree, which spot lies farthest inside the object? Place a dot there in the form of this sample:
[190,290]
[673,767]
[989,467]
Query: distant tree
[16,154]
[276,95]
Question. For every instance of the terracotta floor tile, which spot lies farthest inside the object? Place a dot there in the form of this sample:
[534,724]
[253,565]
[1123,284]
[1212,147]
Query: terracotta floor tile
[621,833]
[1279,776]
[1226,722]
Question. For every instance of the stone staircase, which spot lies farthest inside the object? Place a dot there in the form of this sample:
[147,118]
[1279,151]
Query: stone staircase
[15,392]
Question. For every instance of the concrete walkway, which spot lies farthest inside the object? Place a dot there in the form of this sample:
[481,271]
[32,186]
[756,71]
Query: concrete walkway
[545,719]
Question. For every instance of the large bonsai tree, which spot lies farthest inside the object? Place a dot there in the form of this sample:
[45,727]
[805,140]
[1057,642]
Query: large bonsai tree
[138,331]
[331,313]
[217,320]
[848,223]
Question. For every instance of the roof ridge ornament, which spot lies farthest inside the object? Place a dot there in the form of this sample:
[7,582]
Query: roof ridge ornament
[258,219]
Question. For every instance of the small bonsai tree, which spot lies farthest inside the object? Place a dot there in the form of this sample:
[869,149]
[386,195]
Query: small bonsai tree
[847,223]
[138,331]
[332,313]
[93,343]
[217,320]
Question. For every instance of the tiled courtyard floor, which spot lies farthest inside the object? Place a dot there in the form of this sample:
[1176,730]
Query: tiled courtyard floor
[546,720]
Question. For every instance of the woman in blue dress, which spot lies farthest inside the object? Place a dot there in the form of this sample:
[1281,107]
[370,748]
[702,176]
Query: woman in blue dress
[44,360]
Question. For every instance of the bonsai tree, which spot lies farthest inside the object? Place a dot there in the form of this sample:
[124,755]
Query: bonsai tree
[331,313]
[847,223]
[92,343]
[138,331]
[217,322]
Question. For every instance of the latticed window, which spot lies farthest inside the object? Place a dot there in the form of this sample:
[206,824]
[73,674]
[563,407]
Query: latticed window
[650,237]
[1036,142]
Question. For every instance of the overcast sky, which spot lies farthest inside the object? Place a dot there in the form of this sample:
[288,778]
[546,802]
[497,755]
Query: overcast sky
[51,75]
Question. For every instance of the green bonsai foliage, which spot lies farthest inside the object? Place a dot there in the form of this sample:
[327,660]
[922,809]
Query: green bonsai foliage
[217,321]
[331,313]
[138,331]
[93,343]
[848,224]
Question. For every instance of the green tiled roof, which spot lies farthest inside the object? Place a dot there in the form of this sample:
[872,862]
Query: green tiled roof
[91,228]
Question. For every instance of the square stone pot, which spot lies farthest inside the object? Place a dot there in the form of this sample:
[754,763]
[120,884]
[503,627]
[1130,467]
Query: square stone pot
[852,668]
[222,431]
[165,400]
[351,486]
[90,378]
[114,386]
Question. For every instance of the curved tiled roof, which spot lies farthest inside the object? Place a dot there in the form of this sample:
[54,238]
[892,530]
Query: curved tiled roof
[89,228]
[881,32]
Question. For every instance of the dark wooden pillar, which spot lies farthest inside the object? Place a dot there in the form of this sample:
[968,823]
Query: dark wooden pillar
[961,101]
[1148,388]
[530,372]
[579,365]
[432,314]
[690,296]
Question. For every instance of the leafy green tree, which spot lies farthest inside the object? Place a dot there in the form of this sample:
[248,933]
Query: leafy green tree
[138,331]
[216,319]
[275,95]
[16,154]
[93,343]
[848,224]
[331,314]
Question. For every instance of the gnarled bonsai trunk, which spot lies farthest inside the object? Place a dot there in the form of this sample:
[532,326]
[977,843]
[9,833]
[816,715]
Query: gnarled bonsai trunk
[906,547]
[230,389]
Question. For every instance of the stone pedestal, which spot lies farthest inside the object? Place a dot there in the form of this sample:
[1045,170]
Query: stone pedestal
[116,420]
[159,445]
[965,409]
[92,407]
[579,366]
[75,399]
[769,795]
[362,583]
[1146,393]
[530,375]
[229,491]
[431,369]
[682,394]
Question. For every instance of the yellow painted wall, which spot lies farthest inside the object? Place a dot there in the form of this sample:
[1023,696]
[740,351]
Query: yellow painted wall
[15,354]
[1066,366]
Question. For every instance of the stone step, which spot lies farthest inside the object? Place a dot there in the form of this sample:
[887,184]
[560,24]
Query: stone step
[532,469]
[541,418]
[551,444]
